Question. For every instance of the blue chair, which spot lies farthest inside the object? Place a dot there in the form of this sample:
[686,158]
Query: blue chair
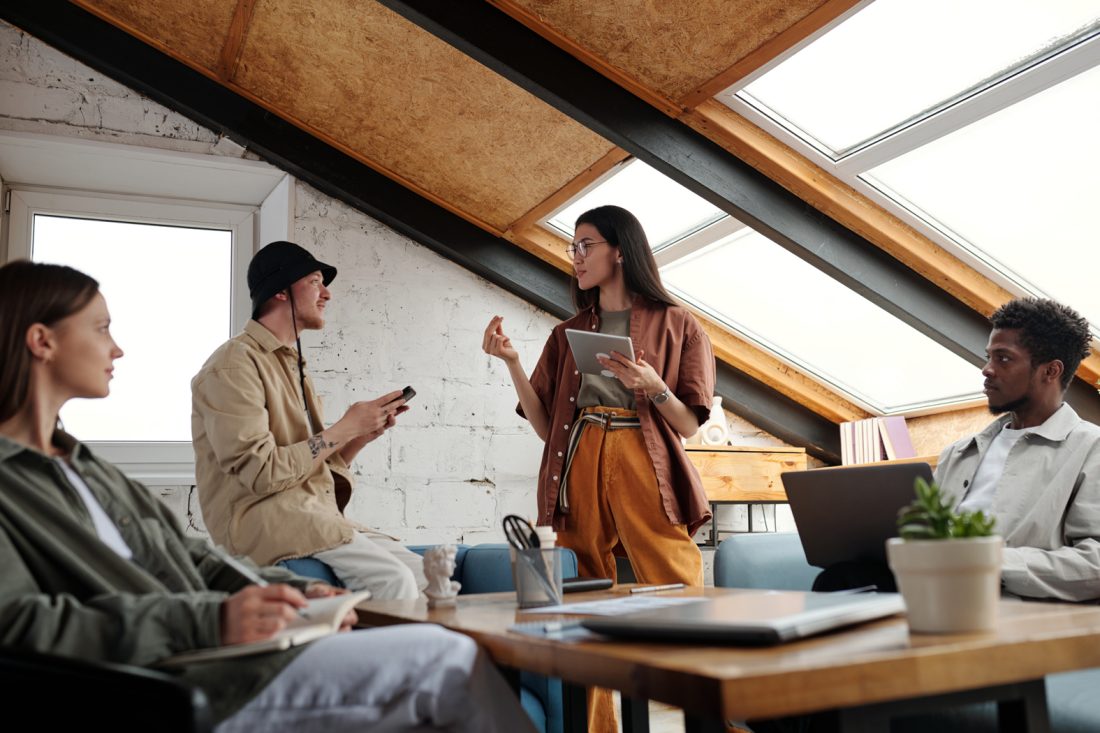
[483,568]
[775,560]
[311,567]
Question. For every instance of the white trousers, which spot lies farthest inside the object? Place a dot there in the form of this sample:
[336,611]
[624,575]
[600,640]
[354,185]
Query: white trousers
[411,678]
[374,562]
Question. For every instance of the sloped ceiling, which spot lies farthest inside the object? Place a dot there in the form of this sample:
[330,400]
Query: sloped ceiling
[376,86]
[422,113]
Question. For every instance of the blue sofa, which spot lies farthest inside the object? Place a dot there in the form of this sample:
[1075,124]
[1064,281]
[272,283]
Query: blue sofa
[776,561]
[483,568]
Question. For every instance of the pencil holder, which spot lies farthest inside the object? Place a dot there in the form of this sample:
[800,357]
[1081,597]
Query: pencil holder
[537,575]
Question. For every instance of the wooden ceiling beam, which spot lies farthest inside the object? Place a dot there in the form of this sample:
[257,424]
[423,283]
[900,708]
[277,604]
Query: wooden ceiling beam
[234,40]
[534,23]
[583,180]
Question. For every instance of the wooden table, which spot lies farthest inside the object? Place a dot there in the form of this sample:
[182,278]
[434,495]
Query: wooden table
[869,673]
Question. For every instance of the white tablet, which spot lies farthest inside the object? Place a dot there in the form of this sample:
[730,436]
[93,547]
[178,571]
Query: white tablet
[587,345]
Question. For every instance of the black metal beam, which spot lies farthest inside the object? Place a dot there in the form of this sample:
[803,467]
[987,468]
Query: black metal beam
[528,60]
[143,68]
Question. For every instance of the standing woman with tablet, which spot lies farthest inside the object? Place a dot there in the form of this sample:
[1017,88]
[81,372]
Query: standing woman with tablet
[614,471]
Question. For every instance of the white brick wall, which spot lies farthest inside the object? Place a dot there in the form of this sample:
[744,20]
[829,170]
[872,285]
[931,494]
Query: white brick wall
[44,91]
[460,458]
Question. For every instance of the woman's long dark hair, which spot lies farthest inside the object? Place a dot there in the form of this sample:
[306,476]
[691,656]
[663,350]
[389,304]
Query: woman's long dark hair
[32,293]
[622,230]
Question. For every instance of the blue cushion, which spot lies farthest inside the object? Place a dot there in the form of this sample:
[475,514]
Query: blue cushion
[1071,698]
[311,567]
[772,560]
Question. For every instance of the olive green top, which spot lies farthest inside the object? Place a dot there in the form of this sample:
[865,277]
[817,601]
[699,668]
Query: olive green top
[63,591]
[608,391]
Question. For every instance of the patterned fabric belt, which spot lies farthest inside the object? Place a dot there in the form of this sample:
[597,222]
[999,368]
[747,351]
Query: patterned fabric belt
[605,420]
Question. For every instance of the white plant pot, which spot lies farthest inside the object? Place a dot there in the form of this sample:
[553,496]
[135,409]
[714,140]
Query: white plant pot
[949,586]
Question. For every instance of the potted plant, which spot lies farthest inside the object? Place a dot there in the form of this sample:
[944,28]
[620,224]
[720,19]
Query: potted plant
[947,564]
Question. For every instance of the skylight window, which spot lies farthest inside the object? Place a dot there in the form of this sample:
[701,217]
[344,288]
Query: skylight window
[793,309]
[896,61]
[755,287]
[668,211]
[1018,189]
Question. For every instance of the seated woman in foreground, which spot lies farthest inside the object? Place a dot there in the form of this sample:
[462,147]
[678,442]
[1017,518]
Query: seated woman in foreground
[96,568]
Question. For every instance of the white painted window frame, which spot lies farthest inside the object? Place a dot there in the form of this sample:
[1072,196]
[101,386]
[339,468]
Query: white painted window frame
[157,187]
[970,106]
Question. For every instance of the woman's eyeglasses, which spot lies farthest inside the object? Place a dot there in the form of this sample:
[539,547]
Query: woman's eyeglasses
[581,248]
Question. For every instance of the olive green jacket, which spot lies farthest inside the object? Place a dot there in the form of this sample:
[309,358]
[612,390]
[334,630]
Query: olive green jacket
[65,592]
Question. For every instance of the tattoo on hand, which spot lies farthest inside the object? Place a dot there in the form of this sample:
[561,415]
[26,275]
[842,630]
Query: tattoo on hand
[318,444]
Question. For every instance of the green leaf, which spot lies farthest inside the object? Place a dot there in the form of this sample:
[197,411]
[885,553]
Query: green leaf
[930,516]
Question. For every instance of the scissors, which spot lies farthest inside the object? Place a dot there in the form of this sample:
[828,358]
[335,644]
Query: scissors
[519,533]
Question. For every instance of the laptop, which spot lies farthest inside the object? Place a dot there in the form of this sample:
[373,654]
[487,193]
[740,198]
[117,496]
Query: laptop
[847,514]
[750,617]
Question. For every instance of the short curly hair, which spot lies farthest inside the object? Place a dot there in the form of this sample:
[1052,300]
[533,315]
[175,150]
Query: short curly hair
[1048,330]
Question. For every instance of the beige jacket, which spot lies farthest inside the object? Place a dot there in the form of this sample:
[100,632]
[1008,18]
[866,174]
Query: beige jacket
[260,493]
[1047,504]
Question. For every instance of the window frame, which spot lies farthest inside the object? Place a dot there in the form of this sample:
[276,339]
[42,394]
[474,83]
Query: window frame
[154,183]
[969,106]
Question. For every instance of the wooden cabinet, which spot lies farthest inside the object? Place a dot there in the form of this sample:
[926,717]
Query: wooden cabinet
[743,475]
[735,474]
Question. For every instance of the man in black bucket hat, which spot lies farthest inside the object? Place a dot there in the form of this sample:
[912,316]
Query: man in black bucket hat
[272,479]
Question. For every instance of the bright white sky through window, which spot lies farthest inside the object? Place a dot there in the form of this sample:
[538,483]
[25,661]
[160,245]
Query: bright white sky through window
[168,292]
[1021,198]
[667,210]
[895,59]
[798,311]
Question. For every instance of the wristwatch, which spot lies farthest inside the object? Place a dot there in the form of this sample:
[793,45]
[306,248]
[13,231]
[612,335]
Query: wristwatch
[661,397]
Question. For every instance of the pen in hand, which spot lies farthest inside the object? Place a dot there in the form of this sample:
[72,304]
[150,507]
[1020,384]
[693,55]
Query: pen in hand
[248,573]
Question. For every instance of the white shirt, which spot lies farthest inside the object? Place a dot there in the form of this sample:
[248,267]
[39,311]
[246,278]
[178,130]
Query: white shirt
[983,490]
[104,527]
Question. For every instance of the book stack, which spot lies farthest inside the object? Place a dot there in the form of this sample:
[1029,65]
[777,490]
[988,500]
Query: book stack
[875,439]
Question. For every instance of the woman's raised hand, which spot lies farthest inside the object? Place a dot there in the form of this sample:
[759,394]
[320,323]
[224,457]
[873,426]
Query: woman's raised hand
[495,343]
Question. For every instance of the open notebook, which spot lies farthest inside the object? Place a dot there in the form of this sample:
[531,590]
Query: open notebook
[320,618]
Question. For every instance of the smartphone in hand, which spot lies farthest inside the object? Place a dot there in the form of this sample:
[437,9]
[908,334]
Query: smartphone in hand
[406,394]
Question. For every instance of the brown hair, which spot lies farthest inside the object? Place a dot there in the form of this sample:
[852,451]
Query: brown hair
[32,293]
[622,229]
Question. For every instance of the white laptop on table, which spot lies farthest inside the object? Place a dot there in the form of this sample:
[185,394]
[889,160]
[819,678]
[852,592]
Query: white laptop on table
[750,617]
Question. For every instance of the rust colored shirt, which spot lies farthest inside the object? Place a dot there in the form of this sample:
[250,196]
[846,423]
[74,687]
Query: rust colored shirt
[679,350]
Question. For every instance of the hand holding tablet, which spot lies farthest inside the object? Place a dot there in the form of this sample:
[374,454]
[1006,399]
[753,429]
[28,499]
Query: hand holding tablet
[589,346]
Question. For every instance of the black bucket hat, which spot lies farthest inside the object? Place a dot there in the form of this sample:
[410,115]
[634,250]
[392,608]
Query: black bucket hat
[278,266]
